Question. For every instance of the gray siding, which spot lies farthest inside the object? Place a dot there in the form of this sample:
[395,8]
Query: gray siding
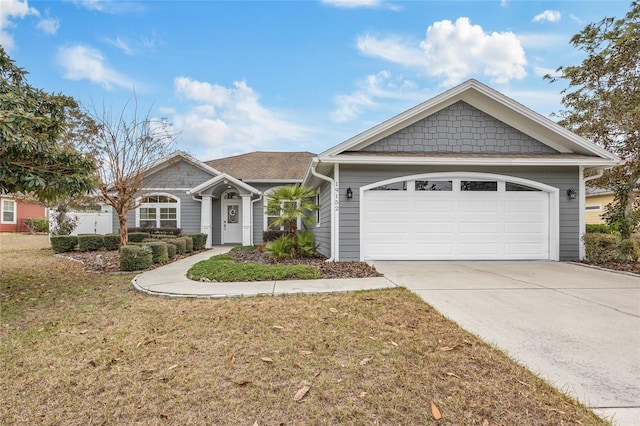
[459,128]
[258,211]
[322,230]
[356,176]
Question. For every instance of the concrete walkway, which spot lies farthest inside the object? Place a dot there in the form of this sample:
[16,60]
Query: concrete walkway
[171,280]
[577,327]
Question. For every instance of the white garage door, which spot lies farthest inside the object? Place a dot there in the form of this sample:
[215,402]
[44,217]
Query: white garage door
[455,218]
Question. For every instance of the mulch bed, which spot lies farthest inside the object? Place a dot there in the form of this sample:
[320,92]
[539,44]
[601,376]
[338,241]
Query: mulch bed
[109,262]
[631,267]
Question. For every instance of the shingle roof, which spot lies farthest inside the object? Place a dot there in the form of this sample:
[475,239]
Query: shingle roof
[256,166]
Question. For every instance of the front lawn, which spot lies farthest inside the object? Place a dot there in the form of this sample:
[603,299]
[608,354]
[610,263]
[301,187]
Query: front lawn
[81,349]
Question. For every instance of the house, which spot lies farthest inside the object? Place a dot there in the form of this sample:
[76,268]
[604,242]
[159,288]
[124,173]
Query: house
[14,211]
[596,199]
[468,174]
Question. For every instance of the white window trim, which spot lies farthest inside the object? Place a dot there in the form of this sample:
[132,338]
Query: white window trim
[265,217]
[157,206]
[317,212]
[15,211]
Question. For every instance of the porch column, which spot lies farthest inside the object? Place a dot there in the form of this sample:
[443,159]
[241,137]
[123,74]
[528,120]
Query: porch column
[205,218]
[246,220]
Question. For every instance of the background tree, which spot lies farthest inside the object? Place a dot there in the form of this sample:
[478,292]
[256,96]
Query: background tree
[603,104]
[33,159]
[124,146]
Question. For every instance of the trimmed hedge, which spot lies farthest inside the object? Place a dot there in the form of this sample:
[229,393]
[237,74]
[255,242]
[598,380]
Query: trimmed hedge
[137,237]
[188,244]
[159,253]
[63,243]
[135,258]
[602,247]
[155,231]
[181,245]
[171,249]
[272,235]
[112,241]
[601,228]
[90,242]
[199,240]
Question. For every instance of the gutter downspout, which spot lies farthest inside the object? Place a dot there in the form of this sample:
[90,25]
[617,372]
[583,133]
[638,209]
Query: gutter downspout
[252,223]
[582,214]
[314,163]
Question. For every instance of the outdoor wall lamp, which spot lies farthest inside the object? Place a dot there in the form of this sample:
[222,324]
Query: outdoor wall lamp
[349,193]
[571,193]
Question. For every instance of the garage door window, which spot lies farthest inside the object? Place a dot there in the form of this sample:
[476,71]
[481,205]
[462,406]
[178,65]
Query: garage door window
[478,185]
[397,186]
[517,187]
[434,185]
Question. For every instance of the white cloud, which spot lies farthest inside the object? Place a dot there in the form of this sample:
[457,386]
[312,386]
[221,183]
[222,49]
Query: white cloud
[49,25]
[85,63]
[109,6]
[130,46]
[121,44]
[504,3]
[10,10]
[454,51]
[574,18]
[543,41]
[548,15]
[371,89]
[542,71]
[230,120]
[355,4]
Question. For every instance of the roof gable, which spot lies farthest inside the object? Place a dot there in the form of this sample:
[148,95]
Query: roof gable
[490,102]
[176,157]
[265,166]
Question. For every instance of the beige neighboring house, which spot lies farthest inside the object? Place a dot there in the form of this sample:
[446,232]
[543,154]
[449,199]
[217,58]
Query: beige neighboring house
[595,200]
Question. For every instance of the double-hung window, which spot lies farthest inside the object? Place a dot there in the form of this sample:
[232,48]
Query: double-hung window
[8,211]
[158,211]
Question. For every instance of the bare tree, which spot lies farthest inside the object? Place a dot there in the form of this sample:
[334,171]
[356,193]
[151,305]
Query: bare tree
[125,145]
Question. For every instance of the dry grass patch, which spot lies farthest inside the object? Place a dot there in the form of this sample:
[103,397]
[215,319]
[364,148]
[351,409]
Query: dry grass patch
[86,349]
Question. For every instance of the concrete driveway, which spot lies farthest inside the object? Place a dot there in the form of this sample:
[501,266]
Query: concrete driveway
[577,327]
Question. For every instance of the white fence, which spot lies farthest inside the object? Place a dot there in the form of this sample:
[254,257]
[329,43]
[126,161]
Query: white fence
[91,222]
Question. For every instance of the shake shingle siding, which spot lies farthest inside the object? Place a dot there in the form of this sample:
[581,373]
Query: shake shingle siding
[355,176]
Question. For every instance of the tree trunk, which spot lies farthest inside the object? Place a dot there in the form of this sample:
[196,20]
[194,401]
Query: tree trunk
[124,236]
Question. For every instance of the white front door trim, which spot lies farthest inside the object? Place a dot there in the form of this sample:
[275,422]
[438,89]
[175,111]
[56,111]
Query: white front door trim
[231,233]
[554,201]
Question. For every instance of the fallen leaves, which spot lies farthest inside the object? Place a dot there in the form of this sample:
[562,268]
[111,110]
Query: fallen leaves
[365,361]
[301,393]
[435,412]
[266,359]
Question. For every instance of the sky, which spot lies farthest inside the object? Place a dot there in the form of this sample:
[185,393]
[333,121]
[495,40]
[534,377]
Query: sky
[239,76]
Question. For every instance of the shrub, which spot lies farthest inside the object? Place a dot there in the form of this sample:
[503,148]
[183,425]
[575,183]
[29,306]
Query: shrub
[188,241]
[63,243]
[155,231]
[90,242]
[629,250]
[138,237]
[305,244]
[112,241]
[40,224]
[171,249]
[199,240]
[281,248]
[600,228]
[159,251]
[63,222]
[601,247]
[272,234]
[181,245]
[135,258]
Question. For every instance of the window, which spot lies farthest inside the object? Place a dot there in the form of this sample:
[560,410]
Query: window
[518,187]
[478,185]
[397,186]
[158,211]
[317,203]
[593,207]
[434,185]
[8,211]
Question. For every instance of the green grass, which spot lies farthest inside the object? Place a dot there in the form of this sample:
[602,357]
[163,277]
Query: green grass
[225,268]
[243,248]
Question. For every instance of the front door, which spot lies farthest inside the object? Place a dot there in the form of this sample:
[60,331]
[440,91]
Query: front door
[231,222]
